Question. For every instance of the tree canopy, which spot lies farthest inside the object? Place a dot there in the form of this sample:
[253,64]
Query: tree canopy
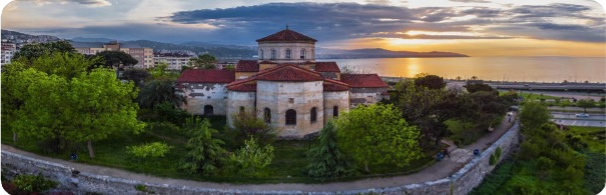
[156,92]
[205,61]
[114,59]
[36,50]
[377,135]
[327,162]
[430,81]
[206,155]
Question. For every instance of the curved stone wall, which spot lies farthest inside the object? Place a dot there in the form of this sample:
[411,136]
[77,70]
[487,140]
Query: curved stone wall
[460,183]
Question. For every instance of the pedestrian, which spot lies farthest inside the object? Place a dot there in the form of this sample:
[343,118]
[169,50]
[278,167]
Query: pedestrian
[445,151]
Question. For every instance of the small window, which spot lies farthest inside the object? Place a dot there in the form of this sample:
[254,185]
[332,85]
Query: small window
[335,111]
[242,109]
[267,115]
[288,54]
[273,54]
[291,117]
[291,100]
[302,53]
[314,115]
[261,53]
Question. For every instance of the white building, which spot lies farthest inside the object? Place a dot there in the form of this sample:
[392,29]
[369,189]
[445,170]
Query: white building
[285,87]
[175,61]
[8,50]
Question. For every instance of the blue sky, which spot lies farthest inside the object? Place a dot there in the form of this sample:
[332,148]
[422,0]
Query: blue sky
[538,27]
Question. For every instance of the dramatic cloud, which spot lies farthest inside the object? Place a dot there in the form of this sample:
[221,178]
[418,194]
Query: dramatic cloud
[350,20]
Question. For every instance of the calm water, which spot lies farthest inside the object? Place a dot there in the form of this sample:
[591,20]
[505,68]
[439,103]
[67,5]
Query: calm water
[541,69]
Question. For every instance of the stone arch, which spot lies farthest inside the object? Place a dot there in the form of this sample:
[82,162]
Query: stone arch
[209,110]
[291,117]
[242,110]
[261,54]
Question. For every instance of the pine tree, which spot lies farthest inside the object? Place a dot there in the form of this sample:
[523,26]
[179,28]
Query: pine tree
[205,156]
[327,161]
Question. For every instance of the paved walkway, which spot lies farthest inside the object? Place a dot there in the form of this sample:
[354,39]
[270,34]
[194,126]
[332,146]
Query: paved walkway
[442,169]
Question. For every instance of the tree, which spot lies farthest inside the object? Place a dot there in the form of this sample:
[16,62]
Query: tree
[205,153]
[377,135]
[99,105]
[116,59]
[586,103]
[63,64]
[480,87]
[156,92]
[33,51]
[246,125]
[205,61]
[251,159]
[534,115]
[326,160]
[229,67]
[430,81]
[138,76]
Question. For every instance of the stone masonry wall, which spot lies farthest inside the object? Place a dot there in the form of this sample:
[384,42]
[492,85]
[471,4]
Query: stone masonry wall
[460,183]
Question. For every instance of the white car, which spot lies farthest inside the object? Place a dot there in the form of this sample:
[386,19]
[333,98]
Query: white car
[583,115]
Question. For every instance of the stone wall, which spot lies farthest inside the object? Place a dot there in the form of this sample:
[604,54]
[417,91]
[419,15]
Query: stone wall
[366,95]
[460,183]
[201,94]
[265,49]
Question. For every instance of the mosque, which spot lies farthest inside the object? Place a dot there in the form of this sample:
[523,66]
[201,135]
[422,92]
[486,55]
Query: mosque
[285,87]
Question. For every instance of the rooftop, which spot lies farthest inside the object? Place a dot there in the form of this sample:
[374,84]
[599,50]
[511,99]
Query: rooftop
[287,35]
[247,66]
[206,76]
[327,67]
[363,80]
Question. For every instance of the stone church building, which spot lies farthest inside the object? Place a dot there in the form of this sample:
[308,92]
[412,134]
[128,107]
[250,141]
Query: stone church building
[285,87]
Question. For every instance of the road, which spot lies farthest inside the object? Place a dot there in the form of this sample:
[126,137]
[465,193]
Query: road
[569,119]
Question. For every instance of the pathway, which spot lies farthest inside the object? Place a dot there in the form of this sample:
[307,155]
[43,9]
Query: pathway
[442,169]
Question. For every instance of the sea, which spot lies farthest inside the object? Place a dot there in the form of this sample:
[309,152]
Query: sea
[521,69]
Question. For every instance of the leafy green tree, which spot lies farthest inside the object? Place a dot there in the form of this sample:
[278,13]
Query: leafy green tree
[229,67]
[205,61]
[205,153]
[37,94]
[430,81]
[138,76]
[534,115]
[156,92]
[251,159]
[15,85]
[474,87]
[99,105]
[246,125]
[63,64]
[377,135]
[586,103]
[33,51]
[327,161]
[116,59]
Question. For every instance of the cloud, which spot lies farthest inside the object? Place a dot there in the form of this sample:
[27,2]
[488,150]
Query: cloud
[425,36]
[89,3]
[471,1]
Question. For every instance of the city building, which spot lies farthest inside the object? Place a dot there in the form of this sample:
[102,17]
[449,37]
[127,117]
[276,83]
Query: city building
[285,87]
[145,56]
[8,50]
[175,61]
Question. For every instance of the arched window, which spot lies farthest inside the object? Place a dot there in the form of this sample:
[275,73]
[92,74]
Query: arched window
[273,54]
[302,53]
[291,117]
[261,54]
[335,111]
[267,115]
[208,110]
[314,115]
[242,110]
[287,53]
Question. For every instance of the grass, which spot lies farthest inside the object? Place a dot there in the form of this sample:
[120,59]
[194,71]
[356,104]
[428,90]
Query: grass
[593,136]
[287,167]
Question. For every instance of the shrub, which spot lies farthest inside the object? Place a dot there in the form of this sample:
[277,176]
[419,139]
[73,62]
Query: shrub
[33,183]
[246,125]
[155,149]
[251,159]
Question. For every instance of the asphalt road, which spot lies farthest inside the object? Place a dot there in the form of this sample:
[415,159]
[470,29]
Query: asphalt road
[564,115]
[569,119]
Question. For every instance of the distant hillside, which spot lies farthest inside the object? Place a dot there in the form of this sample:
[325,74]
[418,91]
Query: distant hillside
[220,51]
[18,37]
[87,39]
[380,53]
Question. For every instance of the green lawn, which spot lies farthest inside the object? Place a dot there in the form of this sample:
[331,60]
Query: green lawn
[288,165]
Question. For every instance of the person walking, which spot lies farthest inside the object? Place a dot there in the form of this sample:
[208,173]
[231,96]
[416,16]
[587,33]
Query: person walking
[445,152]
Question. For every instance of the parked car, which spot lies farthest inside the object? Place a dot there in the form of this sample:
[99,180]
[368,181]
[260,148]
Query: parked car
[583,115]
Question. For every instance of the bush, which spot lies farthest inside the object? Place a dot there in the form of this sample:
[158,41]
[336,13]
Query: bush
[155,149]
[246,125]
[251,159]
[33,183]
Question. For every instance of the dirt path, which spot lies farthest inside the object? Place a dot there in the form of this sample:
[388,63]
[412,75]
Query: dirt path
[446,167]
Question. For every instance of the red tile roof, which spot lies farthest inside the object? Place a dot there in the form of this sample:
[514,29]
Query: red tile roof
[334,85]
[288,73]
[243,87]
[327,67]
[247,66]
[363,80]
[206,76]
[287,35]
